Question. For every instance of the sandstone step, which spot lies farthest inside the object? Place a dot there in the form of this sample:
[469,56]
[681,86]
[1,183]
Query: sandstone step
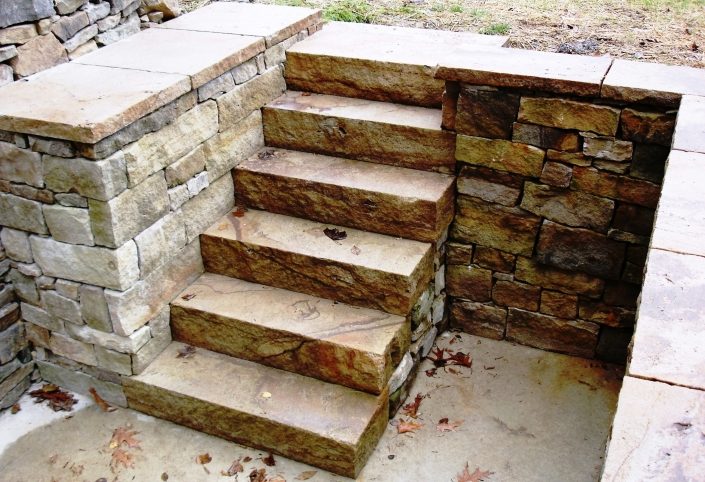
[325,425]
[378,62]
[342,344]
[383,199]
[394,134]
[364,269]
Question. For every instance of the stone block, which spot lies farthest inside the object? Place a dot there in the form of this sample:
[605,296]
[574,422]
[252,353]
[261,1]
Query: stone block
[12,340]
[517,295]
[19,376]
[113,361]
[19,34]
[20,165]
[469,282]
[130,27]
[621,188]
[478,319]
[71,200]
[276,54]
[649,162]
[690,130]
[202,211]
[16,244]
[7,294]
[178,196]
[75,43]
[61,307]
[9,314]
[28,269]
[69,225]
[634,219]
[530,271]
[197,184]
[508,229]
[546,137]
[618,167]
[9,368]
[20,11]
[111,341]
[111,268]
[38,54]
[96,11]
[490,185]
[574,158]
[647,127]
[94,308]
[132,308]
[556,174]
[6,74]
[573,208]
[108,23]
[7,52]
[82,383]
[25,286]
[581,250]
[459,253]
[161,337]
[568,114]
[573,337]
[72,349]
[500,155]
[157,150]
[158,242]
[216,87]
[559,304]
[64,7]
[28,192]
[185,168]
[250,96]
[612,316]
[494,259]
[67,26]
[245,71]
[39,337]
[607,148]
[20,213]
[484,112]
[53,147]
[68,289]
[100,180]
[116,221]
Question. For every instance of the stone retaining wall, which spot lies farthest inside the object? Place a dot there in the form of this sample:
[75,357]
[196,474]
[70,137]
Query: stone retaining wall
[38,34]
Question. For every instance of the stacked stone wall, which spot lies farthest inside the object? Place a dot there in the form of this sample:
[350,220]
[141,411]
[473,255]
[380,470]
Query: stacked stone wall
[38,34]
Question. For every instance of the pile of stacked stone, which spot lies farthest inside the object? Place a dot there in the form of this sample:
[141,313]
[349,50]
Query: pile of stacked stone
[38,34]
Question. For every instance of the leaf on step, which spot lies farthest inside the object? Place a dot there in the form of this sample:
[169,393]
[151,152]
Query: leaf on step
[165,476]
[204,458]
[355,250]
[476,476]
[234,468]
[412,409]
[186,351]
[124,435]
[104,406]
[438,357]
[121,457]
[461,359]
[335,234]
[445,426]
[306,475]
[15,408]
[247,459]
[269,460]
[58,399]
[239,211]
[258,475]
[408,427]
[266,154]
[188,296]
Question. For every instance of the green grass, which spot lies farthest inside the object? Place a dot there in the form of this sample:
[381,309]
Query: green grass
[349,11]
[292,3]
[456,8]
[496,29]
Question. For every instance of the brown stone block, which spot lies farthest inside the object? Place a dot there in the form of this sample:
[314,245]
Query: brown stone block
[647,127]
[574,158]
[580,250]
[613,345]
[637,255]
[556,279]
[500,154]
[490,185]
[494,259]
[622,188]
[573,337]
[559,304]
[556,174]
[517,295]
[512,230]
[38,54]
[618,293]
[469,282]
[568,114]
[450,105]
[484,112]
[546,137]
[607,148]
[649,162]
[613,316]
[634,219]
[458,253]
[478,319]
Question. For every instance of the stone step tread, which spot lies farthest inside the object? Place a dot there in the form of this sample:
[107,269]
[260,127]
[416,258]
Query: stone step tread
[290,414]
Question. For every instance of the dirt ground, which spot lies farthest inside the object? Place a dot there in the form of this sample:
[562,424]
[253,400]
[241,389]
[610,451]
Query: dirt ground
[666,31]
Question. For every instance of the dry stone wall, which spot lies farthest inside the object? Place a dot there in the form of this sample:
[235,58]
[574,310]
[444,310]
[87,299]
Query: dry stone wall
[38,34]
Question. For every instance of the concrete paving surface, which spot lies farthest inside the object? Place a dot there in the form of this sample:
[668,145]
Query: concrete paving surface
[520,413]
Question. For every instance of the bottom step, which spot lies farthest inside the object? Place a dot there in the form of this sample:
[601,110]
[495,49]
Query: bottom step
[324,425]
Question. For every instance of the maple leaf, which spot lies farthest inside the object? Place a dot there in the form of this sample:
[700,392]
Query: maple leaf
[405,427]
[239,211]
[438,357]
[204,458]
[123,435]
[258,475]
[57,399]
[121,457]
[306,475]
[269,460]
[335,234]
[412,409]
[234,468]
[445,426]
[186,352]
[104,406]
[461,359]
[476,476]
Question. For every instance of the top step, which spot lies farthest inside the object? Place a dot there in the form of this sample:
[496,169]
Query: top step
[376,62]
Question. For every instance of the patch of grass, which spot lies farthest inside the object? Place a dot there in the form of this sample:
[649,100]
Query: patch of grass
[437,7]
[456,8]
[496,29]
[349,11]
[478,13]
[292,3]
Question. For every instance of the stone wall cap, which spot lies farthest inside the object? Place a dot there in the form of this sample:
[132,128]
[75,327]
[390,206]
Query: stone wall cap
[526,69]
[201,55]
[689,134]
[85,103]
[274,23]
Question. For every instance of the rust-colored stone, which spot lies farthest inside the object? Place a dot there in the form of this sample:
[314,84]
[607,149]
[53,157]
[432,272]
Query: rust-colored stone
[486,112]
[559,304]
[556,279]
[647,127]
[494,259]
[546,137]
[556,174]
[458,253]
[568,114]
[478,319]
[500,154]
[622,188]
[517,295]
[613,316]
[469,282]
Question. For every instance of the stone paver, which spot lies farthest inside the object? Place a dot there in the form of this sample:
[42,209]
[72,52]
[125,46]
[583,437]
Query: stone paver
[690,128]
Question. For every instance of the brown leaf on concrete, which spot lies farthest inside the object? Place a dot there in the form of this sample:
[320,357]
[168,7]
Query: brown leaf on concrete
[258,475]
[306,475]
[431,372]
[269,460]
[412,409]
[247,459]
[446,426]
[438,357]
[404,426]
[276,478]
[204,458]
[335,234]
[121,457]
[15,408]
[266,154]
[239,211]
[104,406]
[188,296]
[186,352]
[124,435]
[58,399]
[476,476]
[461,359]
[234,468]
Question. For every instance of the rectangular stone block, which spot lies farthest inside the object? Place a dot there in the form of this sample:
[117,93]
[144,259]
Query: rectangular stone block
[61,307]
[559,304]
[500,154]
[490,185]
[40,53]
[556,174]
[111,268]
[494,259]
[622,188]
[217,87]
[114,361]
[612,316]
[556,279]
[486,112]
[516,295]
[12,340]
[250,96]
[648,127]
[20,11]
[478,319]
[82,383]
[9,314]
[69,225]
[20,213]
[203,210]
[16,244]
[157,243]
[72,349]
[458,253]
[111,341]
[469,282]
[228,148]
[568,114]
[20,165]
[185,168]
[94,308]
[546,137]
[66,27]
[101,180]
[607,148]
[18,34]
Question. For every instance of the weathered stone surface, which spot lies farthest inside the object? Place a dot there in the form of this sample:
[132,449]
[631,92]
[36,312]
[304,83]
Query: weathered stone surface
[185,168]
[449,105]
[18,377]
[67,26]
[32,193]
[484,112]
[19,34]
[338,430]
[108,23]
[546,137]
[581,250]
[478,319]
[458,253]
[469,282]
[20,165]
[67,288]
[508,229]
[157,243]
[689,129]
[71,200]
[384,199]
[113,361]
[305,335]
[607,148]
[574,158]
[126,29]
[228,148]
[159,149]
[65,7]
[393,134]
[94,308]
[217,87]
[96,11]
[613,316]
[74,44]
[276,54]
[500,154]
[564,281]
[494,259]
[6,74]
[168,8]
[622,188]
[24,286]
[556,174]
[61,307]
[517,295]
[490,185]
[38,54]
[122,344]
[245,71]
[559,304]
[7,52]
[16,244]
[116,221]
[617,167]
[12,340]
[19,11]
[202,211]
[648,127]
[143,358]
[143,300]
[568,114]
[649,162]
[112,268]
[101,180]
[573,337]
[69,225]
[52,147]
[252,95]
[573,208]
[9,314]
[81,383]
[20,213]
[634,219]
[72,349]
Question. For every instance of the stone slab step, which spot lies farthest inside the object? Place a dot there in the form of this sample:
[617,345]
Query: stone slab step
[342,344]
[378,62]
[325,425]
[364,269]
[394,134]
[383,199]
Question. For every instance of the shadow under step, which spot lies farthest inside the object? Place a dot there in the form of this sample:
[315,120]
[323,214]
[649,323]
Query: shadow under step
[347,345]
[325,425]
[383,199]
[363,269]
[394,134]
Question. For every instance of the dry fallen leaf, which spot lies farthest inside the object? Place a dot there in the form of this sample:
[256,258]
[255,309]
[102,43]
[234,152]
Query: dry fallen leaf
[204,458]
[476,476]
[186,352]
[306,475]
[266,154]
[188,296]
[461,359]
[405,427]
[335,234]
[276,478]
[412,409]
[445,426]
[58,399]
[258,475]
[104,406]
[239,211]
[124,435]
[15,408]
[269,460]
[234,468]
[247,459]
[165,476]
[121,457]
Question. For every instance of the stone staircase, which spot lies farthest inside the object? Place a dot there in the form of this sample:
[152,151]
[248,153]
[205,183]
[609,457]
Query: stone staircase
[298,334]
